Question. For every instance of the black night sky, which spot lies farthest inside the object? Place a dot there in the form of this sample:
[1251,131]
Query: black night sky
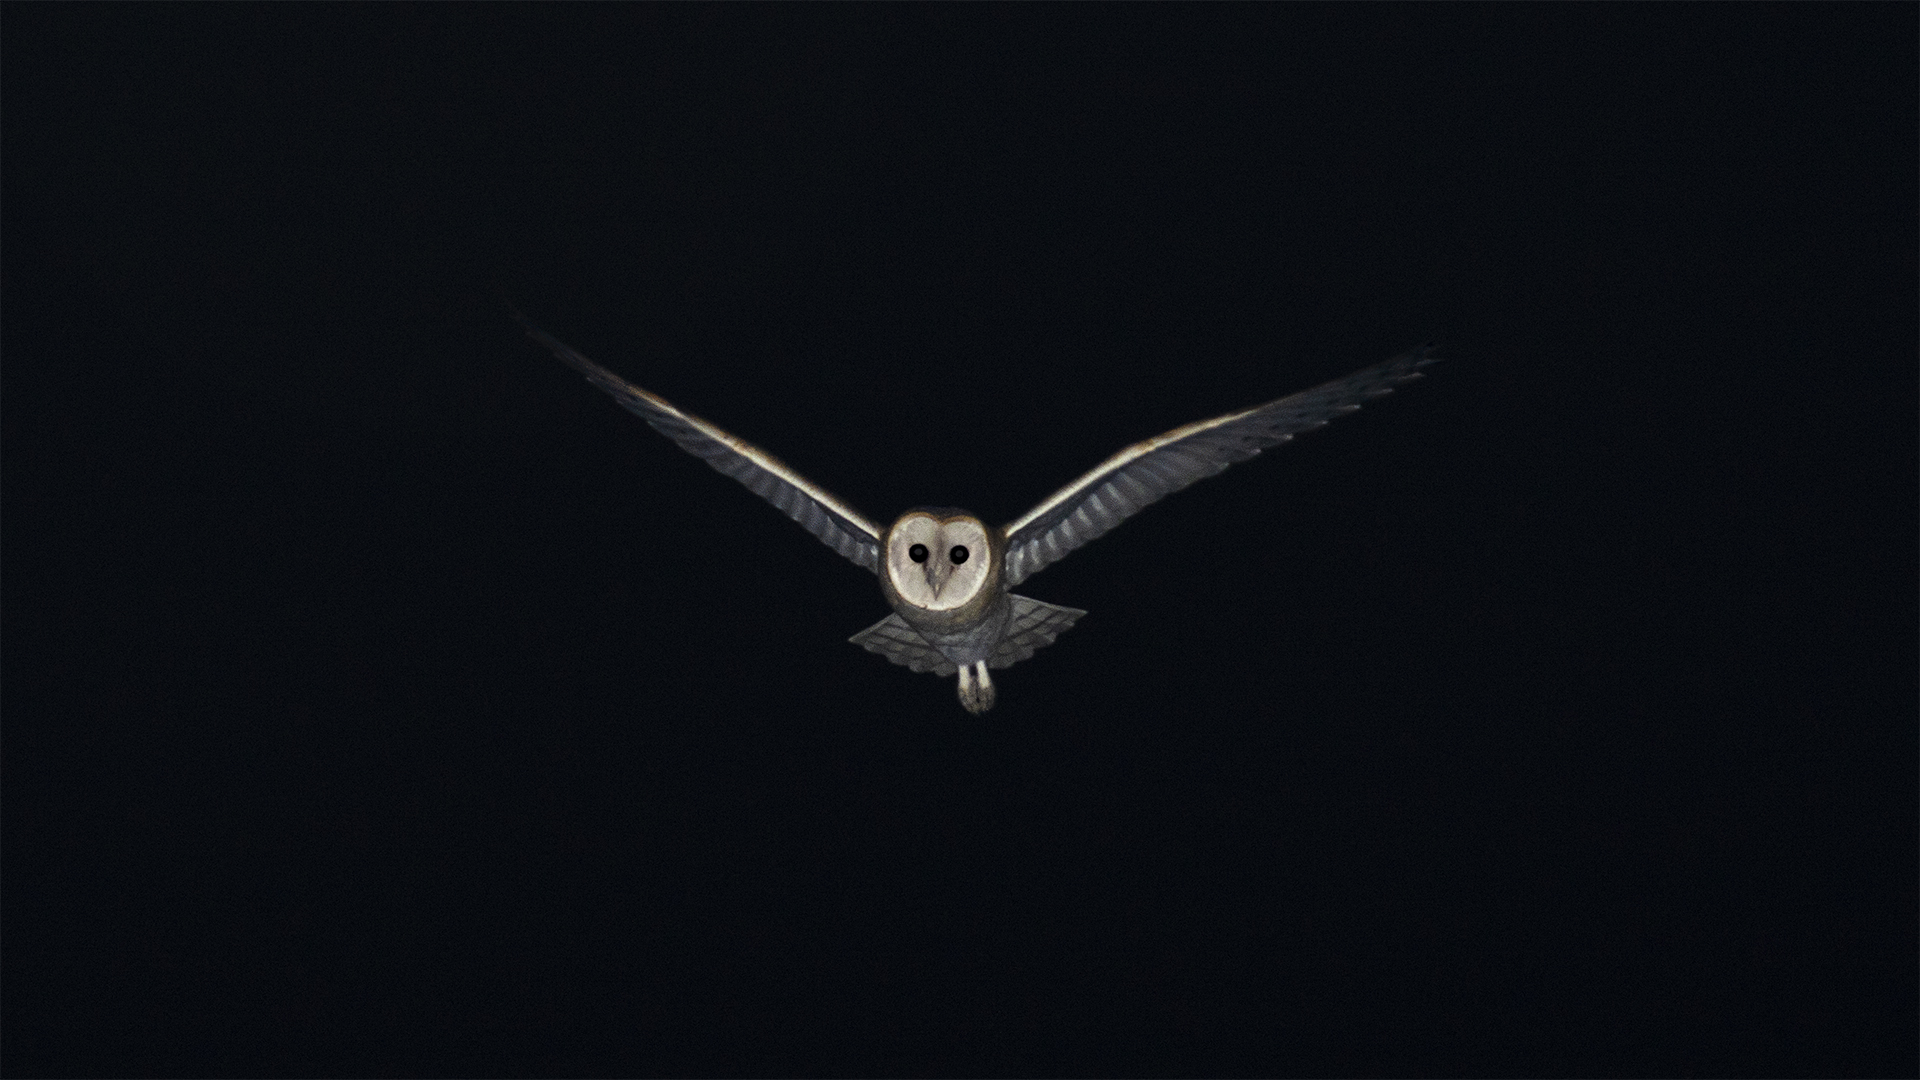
[381,700]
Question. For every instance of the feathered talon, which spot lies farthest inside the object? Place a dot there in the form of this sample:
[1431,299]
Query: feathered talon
[976,687]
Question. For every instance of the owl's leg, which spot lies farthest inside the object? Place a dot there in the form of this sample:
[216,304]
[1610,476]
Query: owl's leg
[976,687]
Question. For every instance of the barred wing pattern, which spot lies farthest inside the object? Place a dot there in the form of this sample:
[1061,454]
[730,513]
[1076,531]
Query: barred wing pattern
[892,638]
[838,525]
[1034,625]
[1146,472]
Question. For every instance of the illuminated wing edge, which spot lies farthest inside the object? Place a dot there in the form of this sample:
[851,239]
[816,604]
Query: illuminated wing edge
[1146,472]
[817,510]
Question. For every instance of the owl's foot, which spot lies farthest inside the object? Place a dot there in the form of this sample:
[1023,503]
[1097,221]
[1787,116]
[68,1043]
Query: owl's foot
[976,687]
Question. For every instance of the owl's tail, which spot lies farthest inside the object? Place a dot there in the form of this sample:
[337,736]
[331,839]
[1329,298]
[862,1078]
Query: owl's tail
[976,687]
[1034,625]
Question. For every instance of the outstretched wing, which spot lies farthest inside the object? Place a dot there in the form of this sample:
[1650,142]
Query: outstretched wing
[1148,471]
[838,525]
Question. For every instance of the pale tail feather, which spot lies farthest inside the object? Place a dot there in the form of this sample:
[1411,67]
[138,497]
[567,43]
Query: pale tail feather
[1035,625]
[892,638]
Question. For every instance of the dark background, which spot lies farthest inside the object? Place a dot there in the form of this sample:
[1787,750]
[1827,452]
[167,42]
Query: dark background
[382,700]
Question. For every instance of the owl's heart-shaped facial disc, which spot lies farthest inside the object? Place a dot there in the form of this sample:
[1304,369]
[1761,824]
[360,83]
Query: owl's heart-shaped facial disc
[935,563]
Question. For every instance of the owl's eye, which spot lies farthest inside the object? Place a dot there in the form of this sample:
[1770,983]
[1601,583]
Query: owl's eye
[958,555]
[918,553]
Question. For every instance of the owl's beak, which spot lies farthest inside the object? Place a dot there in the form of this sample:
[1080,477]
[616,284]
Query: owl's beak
[938,571]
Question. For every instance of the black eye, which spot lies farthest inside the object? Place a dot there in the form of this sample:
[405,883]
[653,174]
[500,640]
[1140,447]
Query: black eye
[958,555]
[918,553]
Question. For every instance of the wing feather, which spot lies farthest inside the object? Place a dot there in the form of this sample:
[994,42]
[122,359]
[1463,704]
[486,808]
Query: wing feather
[1034,625]
[836,524]
[892,638]
[1149,471]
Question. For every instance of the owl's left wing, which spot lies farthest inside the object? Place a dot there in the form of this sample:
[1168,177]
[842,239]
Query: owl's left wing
[1146,472]
[838,525]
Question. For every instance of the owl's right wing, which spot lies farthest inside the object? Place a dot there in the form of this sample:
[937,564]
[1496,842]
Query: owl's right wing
[1147,472]
[838,525]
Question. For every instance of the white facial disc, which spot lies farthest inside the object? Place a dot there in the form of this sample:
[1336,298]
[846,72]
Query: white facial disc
[952,564]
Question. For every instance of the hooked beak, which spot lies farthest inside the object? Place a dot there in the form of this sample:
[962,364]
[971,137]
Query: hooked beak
[938,572]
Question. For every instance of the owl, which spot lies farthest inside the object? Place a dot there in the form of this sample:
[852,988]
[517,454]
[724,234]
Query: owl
[947,574]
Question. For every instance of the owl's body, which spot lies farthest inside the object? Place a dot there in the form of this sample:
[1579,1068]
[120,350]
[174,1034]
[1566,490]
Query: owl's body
[943,572]
[947,574]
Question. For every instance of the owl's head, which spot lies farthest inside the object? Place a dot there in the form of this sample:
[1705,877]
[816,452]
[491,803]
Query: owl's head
[941,560]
